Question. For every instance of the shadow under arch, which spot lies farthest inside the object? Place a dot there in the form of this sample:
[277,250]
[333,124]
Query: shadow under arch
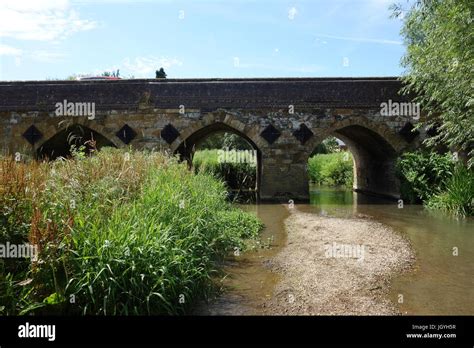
[187,147]
[59,145]
[374,160]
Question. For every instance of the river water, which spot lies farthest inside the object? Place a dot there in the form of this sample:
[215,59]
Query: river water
[441,282]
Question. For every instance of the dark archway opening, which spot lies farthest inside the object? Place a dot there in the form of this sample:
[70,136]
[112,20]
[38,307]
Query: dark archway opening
[76,136]
[229,155]
[373,161]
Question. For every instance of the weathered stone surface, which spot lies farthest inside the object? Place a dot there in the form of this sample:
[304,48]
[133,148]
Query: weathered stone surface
[348,108]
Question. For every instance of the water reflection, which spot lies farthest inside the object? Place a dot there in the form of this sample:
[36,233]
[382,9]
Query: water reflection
[442,280]
[341,201]
[440,283]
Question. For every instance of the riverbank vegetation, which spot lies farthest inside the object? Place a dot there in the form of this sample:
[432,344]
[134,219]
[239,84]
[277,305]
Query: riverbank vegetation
[236,168]
[231,159]
[439,62]
[118,233]
[331,166]
[439,181]
[332,169]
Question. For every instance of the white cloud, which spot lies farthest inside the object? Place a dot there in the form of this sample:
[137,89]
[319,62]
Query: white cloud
[40,20]
[146,66]
[40,55]
[292,12]
[6,50]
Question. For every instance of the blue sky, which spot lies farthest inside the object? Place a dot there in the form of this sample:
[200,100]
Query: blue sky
[54,39]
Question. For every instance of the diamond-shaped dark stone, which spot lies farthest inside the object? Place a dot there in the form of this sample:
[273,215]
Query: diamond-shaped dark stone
[270,134]
[32,134]
[126,134]
[407,132]
[303,134]
[169,133]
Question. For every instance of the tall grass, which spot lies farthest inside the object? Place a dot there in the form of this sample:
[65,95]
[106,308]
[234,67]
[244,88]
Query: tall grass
[437,181]
[423,174]
[237,176]
[333,169]
[458,196]
[118,233]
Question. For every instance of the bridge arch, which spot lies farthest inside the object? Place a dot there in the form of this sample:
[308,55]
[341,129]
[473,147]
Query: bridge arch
[375,148]
[191,137]
[215,122]
[58,141]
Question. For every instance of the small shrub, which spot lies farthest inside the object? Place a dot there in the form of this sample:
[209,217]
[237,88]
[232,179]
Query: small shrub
[334,169]
[457,198]
[423,174]
[237,176]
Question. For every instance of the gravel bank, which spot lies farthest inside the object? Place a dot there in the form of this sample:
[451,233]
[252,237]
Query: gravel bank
[334,266]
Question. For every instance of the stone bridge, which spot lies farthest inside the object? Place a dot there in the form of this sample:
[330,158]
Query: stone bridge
[284,119]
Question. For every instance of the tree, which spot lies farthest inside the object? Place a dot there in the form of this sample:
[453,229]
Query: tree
[328,145]
[160,74]
[111,74]
[222,140]
[439,62]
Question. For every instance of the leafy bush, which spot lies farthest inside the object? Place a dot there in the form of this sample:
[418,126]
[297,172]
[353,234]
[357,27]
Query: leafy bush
[334,169]
[423,174]
[437,181]
[328,145]
[220,140]
[438,63]
[237,176]
[458,196]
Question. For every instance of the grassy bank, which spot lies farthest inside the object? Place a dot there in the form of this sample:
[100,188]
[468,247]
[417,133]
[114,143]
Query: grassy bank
[236,168]
[117,233]
[437,181]
[332,169]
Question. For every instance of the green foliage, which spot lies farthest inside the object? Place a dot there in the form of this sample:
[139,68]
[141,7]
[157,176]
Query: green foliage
[328,145]
[120,233]
[237,176]
[111,74]
[423,174]
[439,63]
[437,181]
[458,196]
[334,169]
[223,140]
[160,74]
